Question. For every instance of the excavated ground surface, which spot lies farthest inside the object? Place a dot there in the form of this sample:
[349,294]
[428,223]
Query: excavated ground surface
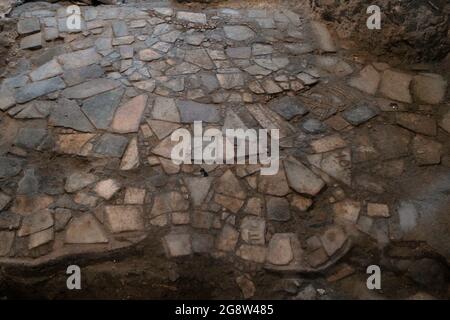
[86,179]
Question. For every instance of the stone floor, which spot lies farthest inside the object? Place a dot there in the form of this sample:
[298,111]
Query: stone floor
[85,128]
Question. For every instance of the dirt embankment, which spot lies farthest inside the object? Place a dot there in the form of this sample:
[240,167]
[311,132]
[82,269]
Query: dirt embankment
[416,30]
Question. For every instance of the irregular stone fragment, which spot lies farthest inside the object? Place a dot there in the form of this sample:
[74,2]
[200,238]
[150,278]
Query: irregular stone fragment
[336,164]
[165,109]
[252,253]
[238,33]
[100,108]
[162,128]
[149,55]
[202,243]
[395,85]
[198,188]
[301,203]
[40,238]
[229,185]
[230,80]
[9,167]
[6,242]
[279,251]
[107,188]
[288,107]
[33,41]
[323,36]
[29,184]
[124,218]
[253,230]
[200,58]
[134,196]
[227,238]
[392,140]
[85,229]
[36,109]
[68,114]
[128,116]
[35,222]
[78,75]
[90,88]
[30,138]
[7,98]
[230,203]
[347,210]
[275,185]
[333,239]
[418,123]
[302,179]
[360,114]
[191,111]
[328,143]
[367,80]
[28,25]
[378,210]
[429,88]
[39,88]
[78,59]
[4,200]
[177,244]
[193,17]
[426,151]
[130,159]
[247,287]
[47,70]
[278,209]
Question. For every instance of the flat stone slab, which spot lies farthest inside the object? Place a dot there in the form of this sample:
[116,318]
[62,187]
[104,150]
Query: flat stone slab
[193,17]
[85,230]
[191,111]
[360,114]
[128,116]
[395,85]
[124,218]
[111,145]
[78,59]
[100,108]
[69,115]
[302,179]
[238,33]
[39,88]
[90,88]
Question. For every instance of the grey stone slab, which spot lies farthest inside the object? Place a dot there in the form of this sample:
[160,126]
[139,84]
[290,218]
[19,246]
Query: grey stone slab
[100,108]
[112,145]
[191,111]
[39,88]
[69,115]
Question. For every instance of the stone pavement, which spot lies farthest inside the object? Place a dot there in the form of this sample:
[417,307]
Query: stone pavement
[86,119]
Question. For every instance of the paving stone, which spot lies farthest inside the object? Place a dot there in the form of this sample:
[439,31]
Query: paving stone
[9,166]
[28,25]
[202,243]
[445,122]
[29,184]
[360,114]
[37,89]
[227,238]
[333,239]
[230,80]
[6,242]
[79,180]
[26,205]
[313,126]
[193,17]
[90,88]
[191,111]
[230,203]
[107,188]
[253,230]
[302,179]
[426,151]
[4,200]
[202,219]
[169,202]
[199,57]
[177,244]
[149,55]
[36,109]
[323,37]
[130,159]
[336,164]
[120,28]
[417,123]
[238,33]
[33,41]
[9,220]
[164,148]
[40,238]
[288,107]
[378,210]
[128,116]
[68,114]
[328,143]
[229,185]
[198,188]
[429,88]
[47,70]
[275,185]
[85,229]
[124,218]
[367,80]
[100,108]
[72,143]
[247,286]
[134,196]
[279,251]
[252,253]
[395,85]
[392,140]
[162,128]
[347,210]
[278,209]
[7,98]
[239,52]
[35,222]
[79,59]
[78,75]
[301,203]
[30,138]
